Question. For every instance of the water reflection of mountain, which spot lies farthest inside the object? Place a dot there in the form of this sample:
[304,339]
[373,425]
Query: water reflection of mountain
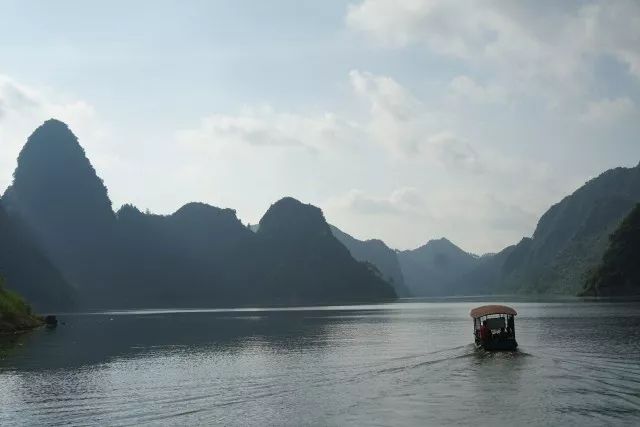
[87,339]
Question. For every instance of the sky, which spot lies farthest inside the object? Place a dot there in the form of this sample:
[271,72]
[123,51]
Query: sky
[404,120]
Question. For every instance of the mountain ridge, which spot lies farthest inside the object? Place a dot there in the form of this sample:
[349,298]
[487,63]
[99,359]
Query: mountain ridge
[377,253]
[63,204]
[568,242]
[618,274]
[431,268]
[198,254]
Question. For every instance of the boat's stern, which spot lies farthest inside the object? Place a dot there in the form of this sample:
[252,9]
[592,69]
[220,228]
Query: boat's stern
[501,345]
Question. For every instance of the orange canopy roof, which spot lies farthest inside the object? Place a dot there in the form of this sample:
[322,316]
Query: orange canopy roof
[486,310]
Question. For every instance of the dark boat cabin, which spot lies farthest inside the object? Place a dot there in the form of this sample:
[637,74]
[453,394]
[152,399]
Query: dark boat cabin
[494,327]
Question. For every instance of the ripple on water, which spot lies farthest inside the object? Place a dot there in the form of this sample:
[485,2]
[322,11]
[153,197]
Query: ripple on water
[383,365]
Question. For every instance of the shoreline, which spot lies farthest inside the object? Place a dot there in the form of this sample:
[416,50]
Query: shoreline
[20,326]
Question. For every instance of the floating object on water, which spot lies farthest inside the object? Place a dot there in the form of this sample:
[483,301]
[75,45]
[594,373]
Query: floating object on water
[51,321]
[494,327]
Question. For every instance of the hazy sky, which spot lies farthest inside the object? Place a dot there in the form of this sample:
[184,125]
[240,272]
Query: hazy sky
[404,120]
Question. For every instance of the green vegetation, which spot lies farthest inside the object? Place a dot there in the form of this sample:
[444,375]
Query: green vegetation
[15,314]
[619,273]
[198,256]
[63,246]
[569,241]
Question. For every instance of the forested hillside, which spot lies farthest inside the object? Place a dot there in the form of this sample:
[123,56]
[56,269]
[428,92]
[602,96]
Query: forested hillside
[619,272]
[198,256]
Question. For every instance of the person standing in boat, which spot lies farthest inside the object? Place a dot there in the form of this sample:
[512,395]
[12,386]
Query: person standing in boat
[485,333]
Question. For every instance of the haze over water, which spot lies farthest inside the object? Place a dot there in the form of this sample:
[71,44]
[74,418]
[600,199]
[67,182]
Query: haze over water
[406,363]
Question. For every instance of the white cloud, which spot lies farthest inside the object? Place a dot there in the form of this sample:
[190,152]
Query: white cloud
[407,127]
[608,111]
[397,120]
[265,127]
[440,24]
[403,200]
[479,220]
[442,177]
[417,179]
[454,153]
[491,220]
[22,101]
[15,97]
[408,198]
[387,97]
[545,50]
[448,137]
[612,28]
[394,119]
[465,89]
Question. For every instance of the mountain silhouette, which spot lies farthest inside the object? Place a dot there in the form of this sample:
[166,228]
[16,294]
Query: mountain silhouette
[619,272]
[59,197]
[62,243]
[205,254]
[303,261]
[377,253]
[198,256]
[568,242]
[430,269]
[28,271]
[189,258]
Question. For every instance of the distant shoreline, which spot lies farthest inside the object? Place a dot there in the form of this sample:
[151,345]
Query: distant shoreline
[20,325]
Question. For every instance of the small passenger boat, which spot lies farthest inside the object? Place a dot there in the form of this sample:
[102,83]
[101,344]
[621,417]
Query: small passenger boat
[494,327]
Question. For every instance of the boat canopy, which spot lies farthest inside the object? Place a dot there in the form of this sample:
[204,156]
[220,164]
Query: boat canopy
[486,310]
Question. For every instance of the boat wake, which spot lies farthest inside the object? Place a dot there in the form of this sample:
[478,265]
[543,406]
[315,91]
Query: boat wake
[430,358]
[449,355]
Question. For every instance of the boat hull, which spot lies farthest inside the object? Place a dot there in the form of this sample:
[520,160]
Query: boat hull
[501,345]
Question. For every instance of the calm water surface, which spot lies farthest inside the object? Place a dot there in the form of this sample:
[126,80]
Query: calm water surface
[408,363]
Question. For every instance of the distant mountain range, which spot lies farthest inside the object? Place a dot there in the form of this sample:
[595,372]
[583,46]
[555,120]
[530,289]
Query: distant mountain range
[567,245]
[198,256]
[568,242]
[431,269]
[379,255]
[61,244]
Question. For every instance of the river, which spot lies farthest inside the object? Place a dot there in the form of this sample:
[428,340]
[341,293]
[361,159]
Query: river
[407,363]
